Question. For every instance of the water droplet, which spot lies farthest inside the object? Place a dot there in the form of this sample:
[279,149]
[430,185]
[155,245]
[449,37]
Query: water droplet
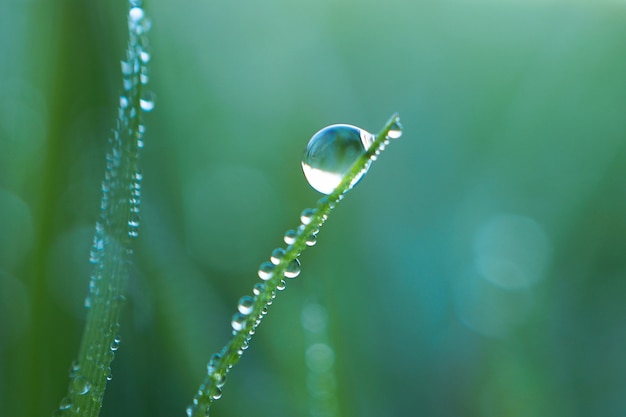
[219,378]
[293,269]
[290,237]
[146,102]
[87,302]
[246,303]
[307,215]
[217,394]
[311,240]
[189,411]
[144,76]
[136,14]
[66,404]
[238,322]
[258,288]
[74,368]
[281,285]
[81,385]
[277,255]
[395,131]
[115,343]
[144,56]
[212,365]
[266,271]
[123,102]
[331,153]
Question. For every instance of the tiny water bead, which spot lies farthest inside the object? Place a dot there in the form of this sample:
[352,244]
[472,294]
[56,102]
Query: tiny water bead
[331,153]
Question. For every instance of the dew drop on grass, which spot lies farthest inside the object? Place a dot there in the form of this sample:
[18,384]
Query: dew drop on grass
[331,153]
[311,240]
[277,255]
[238,322]
[395,131]
[146,102]
[246,303]
[307,215]
[290,237]
[266,270]
[293,269]
[81,385]
[258,288]
[281,285]
[115,344]
[66,404]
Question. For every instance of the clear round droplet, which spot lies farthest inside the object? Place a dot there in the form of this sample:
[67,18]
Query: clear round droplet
[281,285]
[246,303]
[290,237]
[293,269]
[258,288]
[217,394]
[277,255]
[307,215]
[238,322]
[266,270]
[66,404]
[81,385]
[331,153]
[311,240]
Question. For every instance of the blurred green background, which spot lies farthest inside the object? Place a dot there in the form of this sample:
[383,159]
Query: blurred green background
[479,269]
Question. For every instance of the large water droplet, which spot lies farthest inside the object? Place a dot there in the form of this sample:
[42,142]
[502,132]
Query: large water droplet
[331,153]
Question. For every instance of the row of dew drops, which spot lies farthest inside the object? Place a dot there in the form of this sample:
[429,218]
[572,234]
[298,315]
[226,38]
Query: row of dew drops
[243,320]
[129,132]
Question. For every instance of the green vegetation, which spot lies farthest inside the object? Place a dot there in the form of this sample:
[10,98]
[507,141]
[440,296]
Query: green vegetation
[478,272]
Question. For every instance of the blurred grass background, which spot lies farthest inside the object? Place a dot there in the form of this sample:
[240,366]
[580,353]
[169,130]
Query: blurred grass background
[478,270]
